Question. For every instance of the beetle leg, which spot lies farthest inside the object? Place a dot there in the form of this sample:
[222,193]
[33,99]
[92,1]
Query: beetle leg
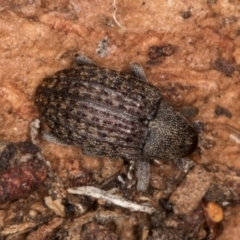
[82,60]
[138,71]
[143,175]
[50,137]
[189,112]
[184,164]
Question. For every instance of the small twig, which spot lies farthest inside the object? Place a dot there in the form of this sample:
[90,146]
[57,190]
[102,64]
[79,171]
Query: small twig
[114,14]
[117,200]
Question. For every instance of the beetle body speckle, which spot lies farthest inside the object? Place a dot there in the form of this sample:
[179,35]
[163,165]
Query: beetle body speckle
[114,114]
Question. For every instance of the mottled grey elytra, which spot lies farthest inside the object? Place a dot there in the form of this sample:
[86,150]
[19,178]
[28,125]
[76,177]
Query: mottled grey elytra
[113,114]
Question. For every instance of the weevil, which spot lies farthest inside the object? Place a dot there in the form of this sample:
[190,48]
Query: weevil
[113,114]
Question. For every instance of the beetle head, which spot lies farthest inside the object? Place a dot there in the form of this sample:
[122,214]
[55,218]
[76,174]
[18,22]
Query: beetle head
[170,136]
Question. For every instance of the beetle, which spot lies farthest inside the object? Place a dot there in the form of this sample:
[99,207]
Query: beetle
[113,114]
